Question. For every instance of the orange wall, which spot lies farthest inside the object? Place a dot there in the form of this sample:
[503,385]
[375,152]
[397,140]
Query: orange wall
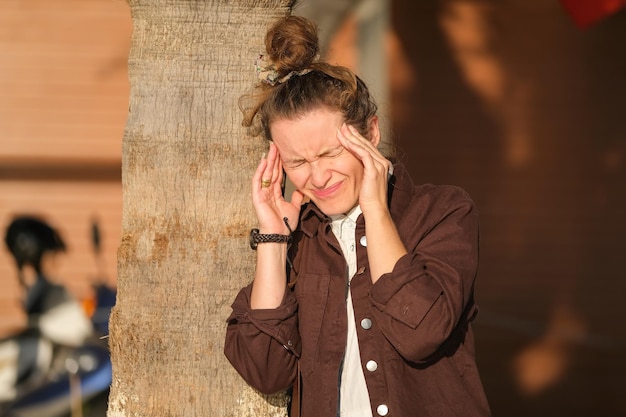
[63,104]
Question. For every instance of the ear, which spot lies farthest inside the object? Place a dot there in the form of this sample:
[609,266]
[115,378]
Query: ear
[374,131]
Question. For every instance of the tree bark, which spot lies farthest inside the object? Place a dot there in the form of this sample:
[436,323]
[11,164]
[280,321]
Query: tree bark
[186,170]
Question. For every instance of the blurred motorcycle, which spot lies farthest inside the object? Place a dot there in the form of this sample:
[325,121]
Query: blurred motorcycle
[60,364]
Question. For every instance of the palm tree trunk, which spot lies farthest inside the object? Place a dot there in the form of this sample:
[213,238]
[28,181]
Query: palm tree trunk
[186,169]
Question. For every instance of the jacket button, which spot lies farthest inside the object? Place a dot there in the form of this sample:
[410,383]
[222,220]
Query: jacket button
[382,410]
[363,241]
[366,324]
[371,366]
[360,271]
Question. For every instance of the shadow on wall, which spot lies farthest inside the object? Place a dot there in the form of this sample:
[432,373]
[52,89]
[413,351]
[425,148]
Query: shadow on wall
[520,107]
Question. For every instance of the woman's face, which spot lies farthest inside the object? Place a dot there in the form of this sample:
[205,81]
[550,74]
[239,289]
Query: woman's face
[316,163]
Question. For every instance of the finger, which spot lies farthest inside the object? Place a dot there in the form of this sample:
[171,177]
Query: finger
[268,173]
[354,140]
[278,173]
[277,165]
[353,133]
[297,198]
[354,145]
[359,139]
[258,174]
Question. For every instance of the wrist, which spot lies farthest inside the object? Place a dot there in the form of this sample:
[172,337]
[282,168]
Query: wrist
[257,238]
[375,211]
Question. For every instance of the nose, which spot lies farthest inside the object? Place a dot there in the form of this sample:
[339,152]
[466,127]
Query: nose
[320,174]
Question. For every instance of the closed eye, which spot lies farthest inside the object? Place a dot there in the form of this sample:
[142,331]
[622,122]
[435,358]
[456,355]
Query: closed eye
[332,153]
[296,163]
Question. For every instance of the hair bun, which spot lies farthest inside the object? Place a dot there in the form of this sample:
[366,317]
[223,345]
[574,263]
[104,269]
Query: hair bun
[292,44]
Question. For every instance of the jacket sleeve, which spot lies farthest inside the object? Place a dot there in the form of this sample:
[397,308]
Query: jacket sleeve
[428,297]
[263,345]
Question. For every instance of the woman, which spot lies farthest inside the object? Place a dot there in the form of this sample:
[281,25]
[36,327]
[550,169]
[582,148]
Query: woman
[363,290]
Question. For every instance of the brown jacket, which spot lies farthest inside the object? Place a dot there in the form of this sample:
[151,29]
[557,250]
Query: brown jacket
[414,322]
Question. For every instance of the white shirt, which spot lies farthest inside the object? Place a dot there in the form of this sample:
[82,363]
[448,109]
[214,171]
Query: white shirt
[354,400]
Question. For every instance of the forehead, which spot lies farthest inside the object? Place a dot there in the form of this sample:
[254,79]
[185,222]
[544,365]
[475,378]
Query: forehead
[307,135]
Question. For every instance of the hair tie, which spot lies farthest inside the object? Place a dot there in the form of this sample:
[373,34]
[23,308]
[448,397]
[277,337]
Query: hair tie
[267,73]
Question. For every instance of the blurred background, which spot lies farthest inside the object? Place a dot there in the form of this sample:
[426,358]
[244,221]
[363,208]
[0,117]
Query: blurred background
[63,104]
[520,102]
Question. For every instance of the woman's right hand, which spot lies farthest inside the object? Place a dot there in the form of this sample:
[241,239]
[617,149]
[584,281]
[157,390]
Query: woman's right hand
[267,197]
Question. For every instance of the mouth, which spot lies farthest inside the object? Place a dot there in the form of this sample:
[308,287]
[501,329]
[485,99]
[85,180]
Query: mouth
[327,192]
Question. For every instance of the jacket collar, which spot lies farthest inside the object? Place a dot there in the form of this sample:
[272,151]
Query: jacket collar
[401,191]
[311,218]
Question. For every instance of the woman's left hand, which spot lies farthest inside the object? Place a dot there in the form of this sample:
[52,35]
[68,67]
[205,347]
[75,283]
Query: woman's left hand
[373,193]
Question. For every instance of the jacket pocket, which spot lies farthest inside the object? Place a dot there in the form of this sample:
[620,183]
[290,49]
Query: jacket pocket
[311,290]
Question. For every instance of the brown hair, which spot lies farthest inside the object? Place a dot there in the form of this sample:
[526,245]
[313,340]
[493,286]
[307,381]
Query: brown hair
[292,46]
